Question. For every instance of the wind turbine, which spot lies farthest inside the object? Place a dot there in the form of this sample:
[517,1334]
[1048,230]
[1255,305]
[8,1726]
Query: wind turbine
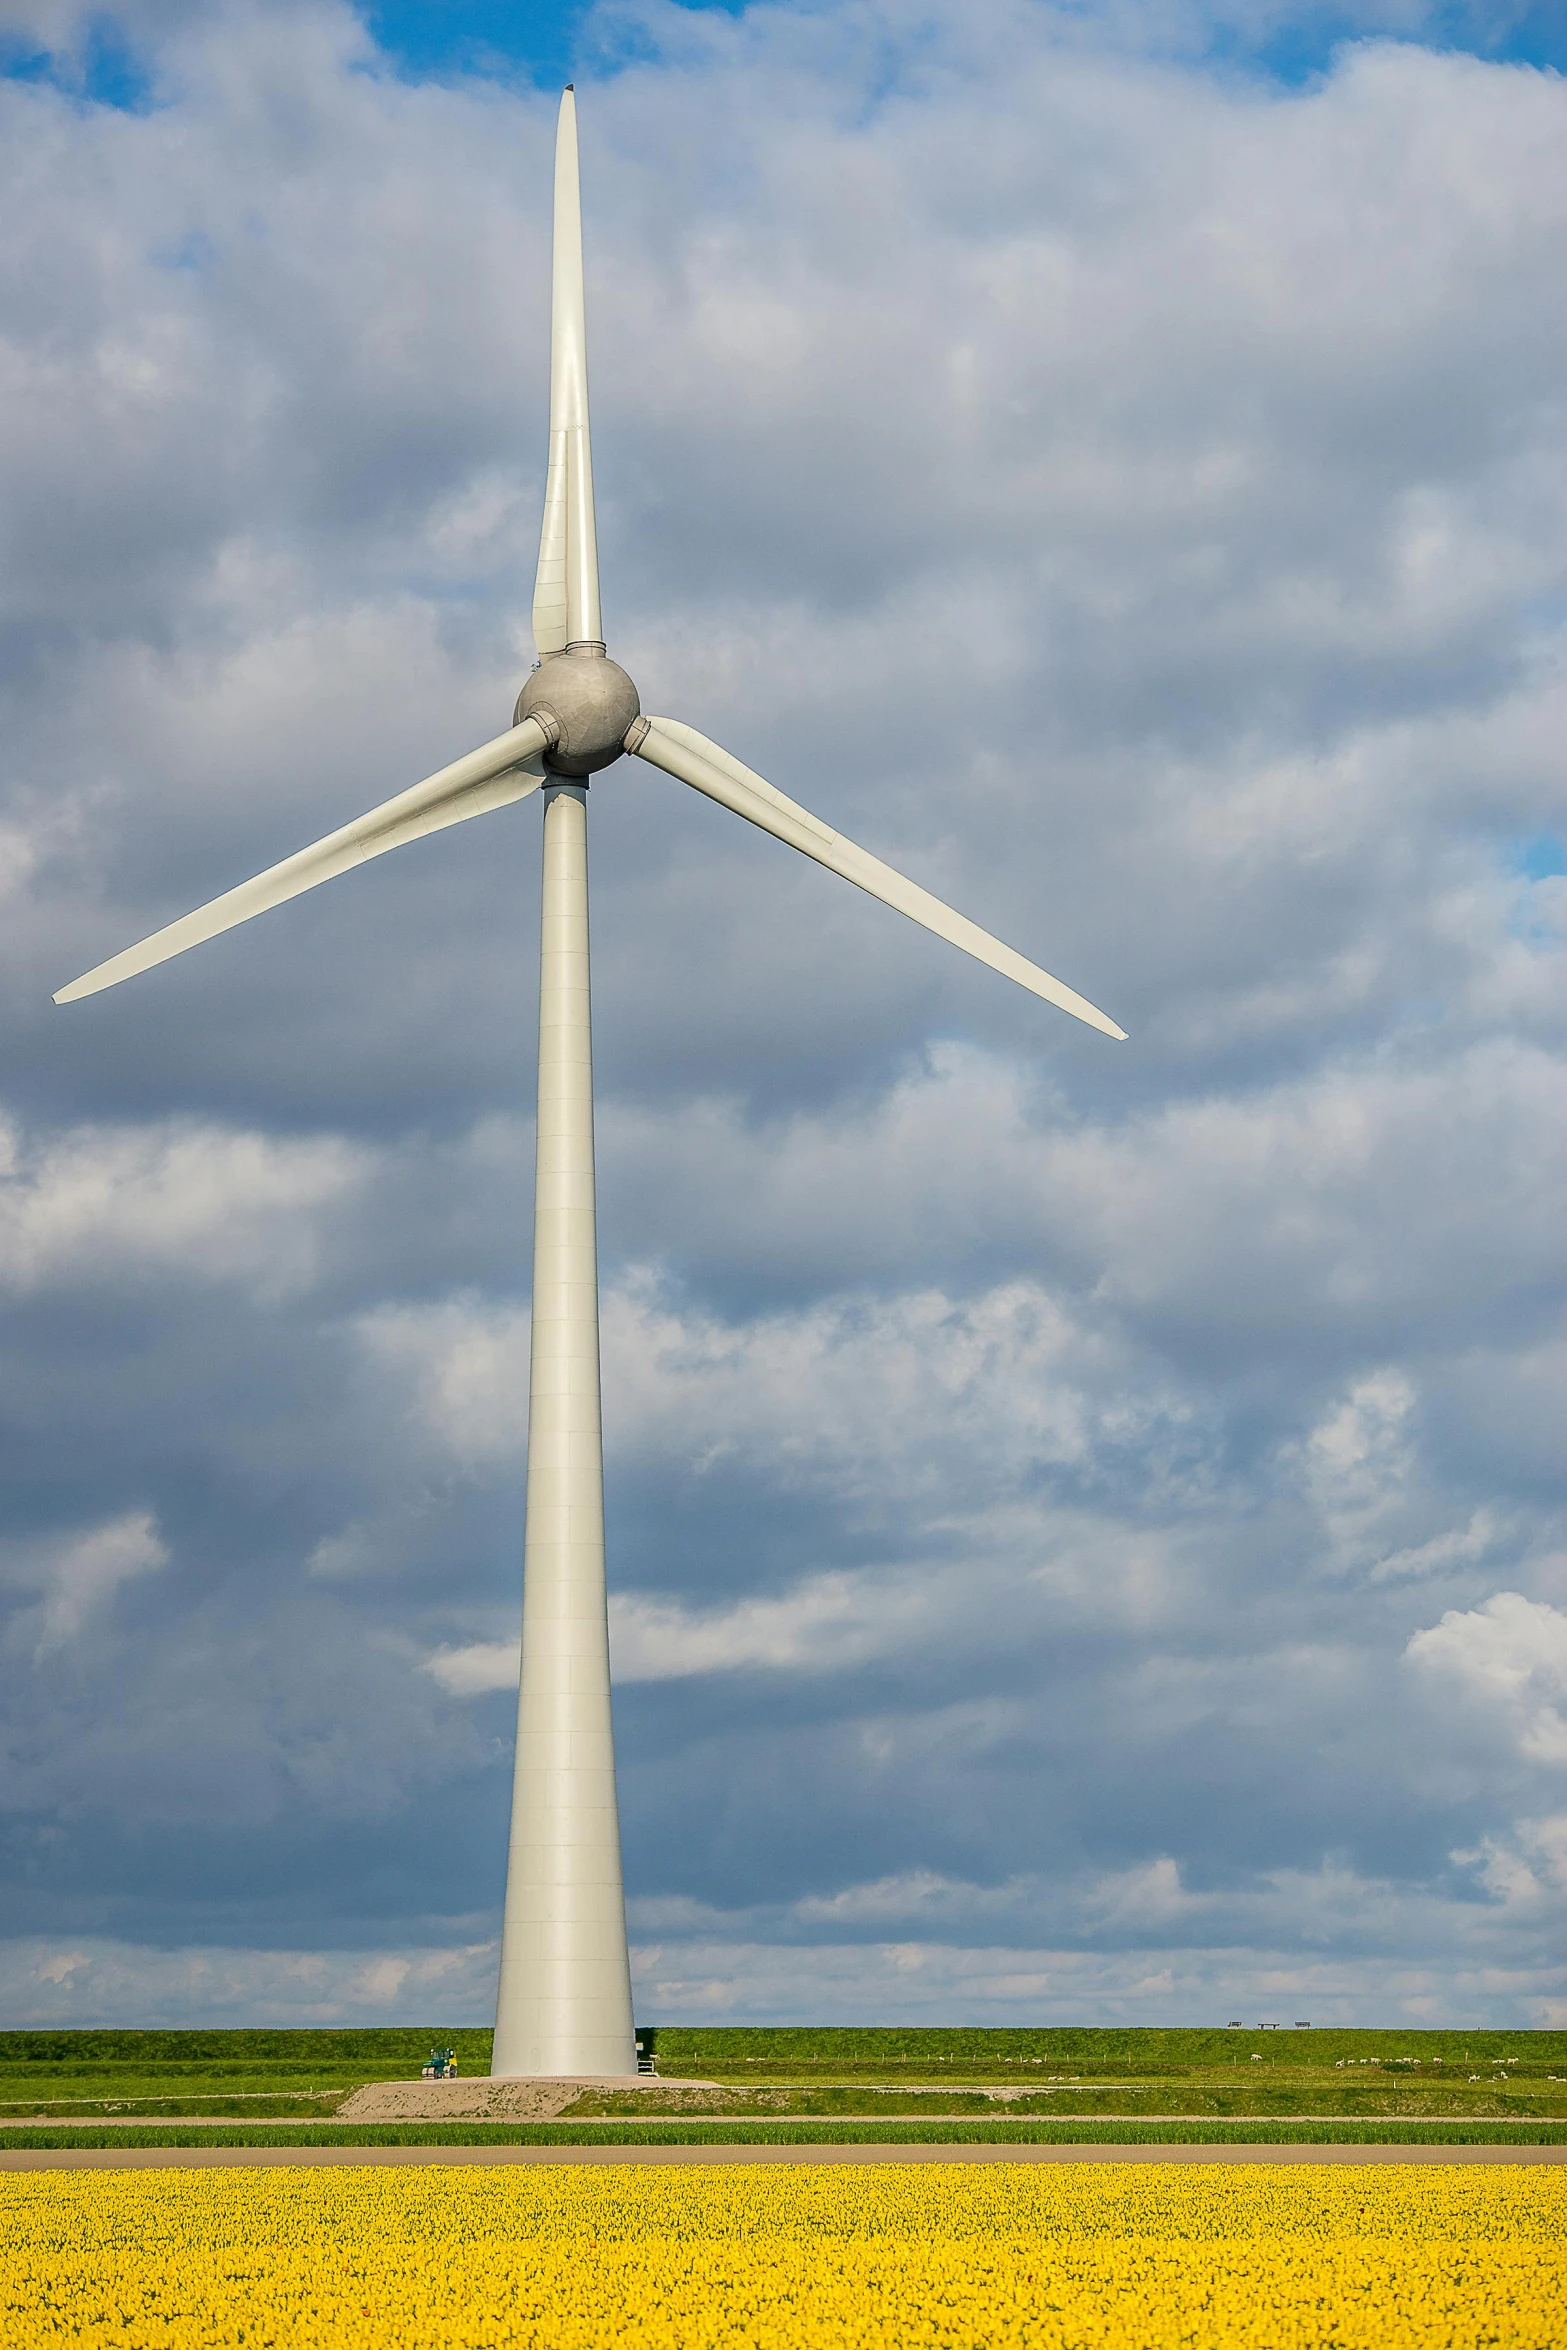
[564,2003]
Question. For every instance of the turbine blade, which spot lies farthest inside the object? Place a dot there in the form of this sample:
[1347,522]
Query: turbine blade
[681,751]
[500,771]
[566,585]
[549,582]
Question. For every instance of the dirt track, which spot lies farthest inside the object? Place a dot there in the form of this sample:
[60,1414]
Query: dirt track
[378,2157]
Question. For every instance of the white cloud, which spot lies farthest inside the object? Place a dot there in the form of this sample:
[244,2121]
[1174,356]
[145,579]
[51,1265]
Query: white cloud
[106,1203]
[1358,1465]
[940,1983]
[683,1977]
[1364,1473]
[1462,1546]
[815,1626]
[79,1574]
[1320,1201]
[827,1391]
[1525,1869]
[830,1622]
[480,1666]
[1508,1658]
[1013,1577]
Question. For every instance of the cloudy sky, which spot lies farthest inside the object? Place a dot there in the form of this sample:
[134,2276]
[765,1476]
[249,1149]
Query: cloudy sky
[1086,1521]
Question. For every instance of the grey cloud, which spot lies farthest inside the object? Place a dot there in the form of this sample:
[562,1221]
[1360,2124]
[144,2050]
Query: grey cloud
[1041,1475]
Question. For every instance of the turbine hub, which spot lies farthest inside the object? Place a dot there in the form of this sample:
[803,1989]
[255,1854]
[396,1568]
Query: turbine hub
[591,700]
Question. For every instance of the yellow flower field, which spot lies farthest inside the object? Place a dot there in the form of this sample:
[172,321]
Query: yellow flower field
[787,2257]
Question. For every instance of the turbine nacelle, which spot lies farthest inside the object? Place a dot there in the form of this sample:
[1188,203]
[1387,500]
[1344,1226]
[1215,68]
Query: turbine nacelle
[588,700]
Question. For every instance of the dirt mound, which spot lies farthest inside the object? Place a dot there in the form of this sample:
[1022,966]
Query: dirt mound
[479,2099]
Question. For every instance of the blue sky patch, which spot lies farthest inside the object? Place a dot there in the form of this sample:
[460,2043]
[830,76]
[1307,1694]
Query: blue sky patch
[489,37]
[103,70]
[436,38]
[1540,859]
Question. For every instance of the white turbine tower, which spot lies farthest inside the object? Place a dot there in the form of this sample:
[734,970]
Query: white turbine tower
[564,2004]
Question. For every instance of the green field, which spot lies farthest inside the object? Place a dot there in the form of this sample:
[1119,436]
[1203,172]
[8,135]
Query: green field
[766,2080]
[802,2133]
[258,2074]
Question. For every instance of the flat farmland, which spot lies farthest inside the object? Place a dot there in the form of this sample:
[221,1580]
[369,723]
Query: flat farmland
[826,2076]
[1267,2073]
[253,2075]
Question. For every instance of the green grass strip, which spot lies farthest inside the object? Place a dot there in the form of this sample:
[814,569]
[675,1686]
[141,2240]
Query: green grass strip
[807,2133]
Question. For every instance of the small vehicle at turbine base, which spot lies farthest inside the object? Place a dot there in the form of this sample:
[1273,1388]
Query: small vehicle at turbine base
[564,2002]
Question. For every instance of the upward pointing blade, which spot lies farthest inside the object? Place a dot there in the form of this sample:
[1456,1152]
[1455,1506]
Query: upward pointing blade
[500,771]
[681,751]
[566,586]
